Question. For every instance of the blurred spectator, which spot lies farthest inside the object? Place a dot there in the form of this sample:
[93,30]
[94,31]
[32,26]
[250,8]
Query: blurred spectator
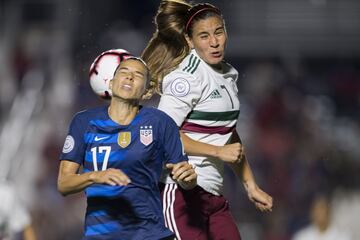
[15,221]
[321,227]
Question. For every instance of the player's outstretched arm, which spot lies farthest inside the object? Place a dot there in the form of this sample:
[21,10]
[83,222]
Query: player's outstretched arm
[69,181]
[261,199]
[228,153]
[183,173]
[242,169]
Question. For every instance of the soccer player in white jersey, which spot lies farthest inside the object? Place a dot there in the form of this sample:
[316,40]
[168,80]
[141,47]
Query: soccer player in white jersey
[198,90]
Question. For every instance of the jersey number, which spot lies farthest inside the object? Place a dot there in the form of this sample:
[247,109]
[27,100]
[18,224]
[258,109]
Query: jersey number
[101,149]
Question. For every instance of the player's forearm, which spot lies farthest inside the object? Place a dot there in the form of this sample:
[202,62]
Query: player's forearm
[244,172]
[73,183]
[242,169]
[197,148]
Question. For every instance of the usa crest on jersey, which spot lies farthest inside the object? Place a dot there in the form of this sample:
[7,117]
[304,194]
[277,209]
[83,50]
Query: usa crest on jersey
[146,135]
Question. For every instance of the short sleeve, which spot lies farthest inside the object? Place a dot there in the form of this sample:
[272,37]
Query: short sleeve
[171,142]
[181,92]
[74,146]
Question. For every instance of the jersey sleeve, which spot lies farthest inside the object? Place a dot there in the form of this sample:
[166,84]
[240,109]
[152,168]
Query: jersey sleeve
[74,147]
[171,142]
[181,92]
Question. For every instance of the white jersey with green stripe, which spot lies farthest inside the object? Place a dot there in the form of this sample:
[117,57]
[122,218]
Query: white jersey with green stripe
[204,104]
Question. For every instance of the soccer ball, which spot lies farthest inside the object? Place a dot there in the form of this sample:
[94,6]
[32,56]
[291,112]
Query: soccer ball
[102,70]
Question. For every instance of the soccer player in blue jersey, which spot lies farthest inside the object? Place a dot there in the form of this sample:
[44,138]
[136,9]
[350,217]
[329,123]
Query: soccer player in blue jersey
[122,149]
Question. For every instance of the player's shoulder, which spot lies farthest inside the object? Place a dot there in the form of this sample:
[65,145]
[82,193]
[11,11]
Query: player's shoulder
[178,73]
[91,113]
[192,64]
[188,68]
[157,115]
[154,112]
[186,76]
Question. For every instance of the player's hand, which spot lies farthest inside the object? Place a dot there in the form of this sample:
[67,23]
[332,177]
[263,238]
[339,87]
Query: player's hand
[262,200]
[183,173]
[232,153]
[111,176]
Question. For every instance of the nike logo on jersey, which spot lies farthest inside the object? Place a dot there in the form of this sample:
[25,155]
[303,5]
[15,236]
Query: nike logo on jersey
[215,94]
[99,138]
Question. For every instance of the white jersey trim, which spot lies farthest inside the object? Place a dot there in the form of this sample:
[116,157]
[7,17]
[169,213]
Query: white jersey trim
[168,208]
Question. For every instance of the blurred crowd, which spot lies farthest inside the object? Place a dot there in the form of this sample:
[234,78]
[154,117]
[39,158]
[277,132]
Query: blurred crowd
[301,129]
[299,119]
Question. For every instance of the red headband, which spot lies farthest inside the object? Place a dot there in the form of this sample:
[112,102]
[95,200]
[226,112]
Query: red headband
[197,12]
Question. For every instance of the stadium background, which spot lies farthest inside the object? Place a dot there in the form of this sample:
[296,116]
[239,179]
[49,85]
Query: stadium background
[299,87]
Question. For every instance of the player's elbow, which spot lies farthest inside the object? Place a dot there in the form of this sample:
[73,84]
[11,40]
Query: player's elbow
[62,188]
[62,191]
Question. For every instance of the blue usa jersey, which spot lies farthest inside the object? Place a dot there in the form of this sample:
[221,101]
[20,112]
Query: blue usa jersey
[140,150]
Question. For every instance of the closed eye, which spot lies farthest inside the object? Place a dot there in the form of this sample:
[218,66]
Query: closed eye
[220,32]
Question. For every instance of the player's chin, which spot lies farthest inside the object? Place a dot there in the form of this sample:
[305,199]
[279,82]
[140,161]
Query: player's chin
[215,60]
[126,97]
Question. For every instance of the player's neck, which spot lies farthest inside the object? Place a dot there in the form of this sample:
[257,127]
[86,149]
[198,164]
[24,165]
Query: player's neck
[123,113]
[217,67]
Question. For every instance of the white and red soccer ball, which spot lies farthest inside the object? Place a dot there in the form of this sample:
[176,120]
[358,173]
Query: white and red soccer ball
[103,68]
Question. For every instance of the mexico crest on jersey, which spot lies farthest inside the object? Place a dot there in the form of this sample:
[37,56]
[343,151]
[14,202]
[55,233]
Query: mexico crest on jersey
[124,139]
[146,135]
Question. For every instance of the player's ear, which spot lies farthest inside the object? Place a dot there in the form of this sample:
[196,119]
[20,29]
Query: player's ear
[189,41]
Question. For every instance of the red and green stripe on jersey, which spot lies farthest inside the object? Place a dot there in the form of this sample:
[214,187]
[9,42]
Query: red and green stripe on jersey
[210,122]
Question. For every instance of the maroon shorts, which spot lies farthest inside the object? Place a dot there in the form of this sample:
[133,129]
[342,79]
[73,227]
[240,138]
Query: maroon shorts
[197,214]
